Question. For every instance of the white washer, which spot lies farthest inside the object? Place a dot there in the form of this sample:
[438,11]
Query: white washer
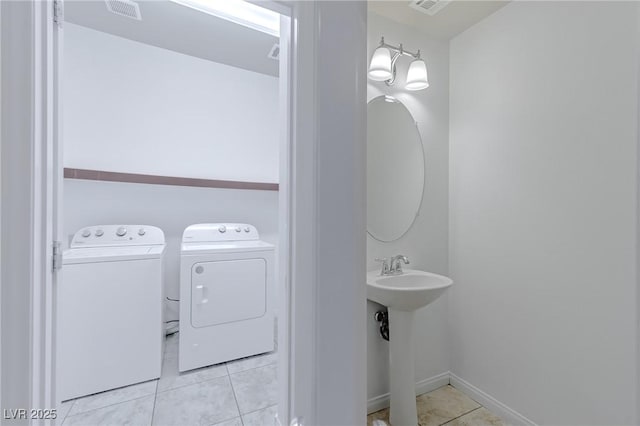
[110,316]
[226,294]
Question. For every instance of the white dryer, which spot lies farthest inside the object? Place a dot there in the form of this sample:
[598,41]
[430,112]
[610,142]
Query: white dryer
[110,316]
[226,294]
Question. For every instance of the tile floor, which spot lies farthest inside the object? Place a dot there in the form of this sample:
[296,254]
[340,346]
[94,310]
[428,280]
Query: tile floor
[237,393]
[446,406]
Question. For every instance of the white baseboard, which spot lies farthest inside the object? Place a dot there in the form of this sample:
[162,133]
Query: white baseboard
[510,416]
[423,386]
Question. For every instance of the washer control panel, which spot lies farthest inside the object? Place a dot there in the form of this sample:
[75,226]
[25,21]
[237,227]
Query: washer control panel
[117,235]
[220,232]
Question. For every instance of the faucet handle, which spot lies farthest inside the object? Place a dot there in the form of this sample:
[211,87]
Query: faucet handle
[385,265]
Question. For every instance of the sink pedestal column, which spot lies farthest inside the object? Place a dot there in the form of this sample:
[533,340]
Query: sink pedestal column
[403,411]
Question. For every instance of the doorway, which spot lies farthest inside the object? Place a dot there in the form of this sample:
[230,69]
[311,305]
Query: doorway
[325,158]
[173,115]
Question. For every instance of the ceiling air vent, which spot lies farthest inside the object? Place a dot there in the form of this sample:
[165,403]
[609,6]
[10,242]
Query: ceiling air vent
[430,7]
[127,8]
[274,53]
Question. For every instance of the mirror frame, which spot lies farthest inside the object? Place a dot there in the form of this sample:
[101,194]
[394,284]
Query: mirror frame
[424,166]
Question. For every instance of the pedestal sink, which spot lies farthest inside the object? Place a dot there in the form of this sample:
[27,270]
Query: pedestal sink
[402,294]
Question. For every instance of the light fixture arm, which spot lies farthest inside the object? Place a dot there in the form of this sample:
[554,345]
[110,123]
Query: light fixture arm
[393,69]
[382,66]
[398,51]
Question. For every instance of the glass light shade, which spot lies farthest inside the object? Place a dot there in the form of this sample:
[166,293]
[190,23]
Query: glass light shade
[380,66]
[417,75]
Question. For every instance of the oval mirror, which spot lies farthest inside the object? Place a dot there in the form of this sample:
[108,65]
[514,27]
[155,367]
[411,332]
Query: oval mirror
[395,169]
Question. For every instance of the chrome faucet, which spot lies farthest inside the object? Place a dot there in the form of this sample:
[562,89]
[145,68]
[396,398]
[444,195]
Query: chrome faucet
[396,267]
[393,266]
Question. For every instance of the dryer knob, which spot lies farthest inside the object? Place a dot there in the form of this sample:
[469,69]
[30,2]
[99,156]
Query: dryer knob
[238,229]
[86,233]
[222,229]
[141,232]
[121,232]
[99,233]
[247,229]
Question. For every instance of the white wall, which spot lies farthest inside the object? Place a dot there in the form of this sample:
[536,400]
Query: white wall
[131,107]
[543,172]
[426,242]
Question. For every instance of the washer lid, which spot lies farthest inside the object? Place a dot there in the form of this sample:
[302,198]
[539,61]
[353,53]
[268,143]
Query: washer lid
[225,247]
[111,254]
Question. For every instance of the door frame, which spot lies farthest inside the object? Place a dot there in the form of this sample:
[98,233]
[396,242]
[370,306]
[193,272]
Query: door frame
[27,152]
[326,303]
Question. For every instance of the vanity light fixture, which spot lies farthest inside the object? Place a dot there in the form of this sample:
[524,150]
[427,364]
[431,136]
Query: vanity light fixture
[383,66]
[238,11]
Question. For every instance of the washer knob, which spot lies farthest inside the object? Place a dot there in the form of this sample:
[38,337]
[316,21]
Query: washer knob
[222,229]
[86,233]
[141,232]
[247,229]
[121,232]
[238,229]
[99,233]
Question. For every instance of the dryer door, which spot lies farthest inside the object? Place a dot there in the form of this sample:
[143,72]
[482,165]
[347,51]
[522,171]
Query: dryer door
[227,291]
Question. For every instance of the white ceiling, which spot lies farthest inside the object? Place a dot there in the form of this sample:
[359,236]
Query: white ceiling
[453,19]
[174,27]
[181,29]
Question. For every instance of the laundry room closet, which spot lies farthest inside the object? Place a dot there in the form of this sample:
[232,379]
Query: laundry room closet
[171,119]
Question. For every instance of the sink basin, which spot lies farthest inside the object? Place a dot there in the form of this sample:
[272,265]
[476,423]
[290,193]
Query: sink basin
[402,294]
[408,291]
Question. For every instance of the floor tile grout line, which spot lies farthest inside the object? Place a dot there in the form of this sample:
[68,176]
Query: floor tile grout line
[191,384]
[229,374]
[157,392]
[214,378]
[155,398]
[233,389]
[260,409]
[204,381]
[461,415]
[255,411]
[110,391]
[235,398]
[251,368]
[110,405]
[254,368]
[228,420]
[73,402]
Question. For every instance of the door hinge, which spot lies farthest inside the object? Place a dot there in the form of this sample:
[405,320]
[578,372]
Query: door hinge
[58,12]
[57,256]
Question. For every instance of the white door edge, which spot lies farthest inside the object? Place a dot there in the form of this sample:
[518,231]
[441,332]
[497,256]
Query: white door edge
[27,202]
